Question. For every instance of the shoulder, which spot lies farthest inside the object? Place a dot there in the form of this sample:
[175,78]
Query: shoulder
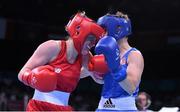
[51,44]
[50,47]
[135,55]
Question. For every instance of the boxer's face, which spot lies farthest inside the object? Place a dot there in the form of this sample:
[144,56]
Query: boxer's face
[143,100]
[88,44]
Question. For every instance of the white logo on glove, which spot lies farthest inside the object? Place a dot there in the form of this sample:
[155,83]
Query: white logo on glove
[34,80]
[117,54]
[57,70]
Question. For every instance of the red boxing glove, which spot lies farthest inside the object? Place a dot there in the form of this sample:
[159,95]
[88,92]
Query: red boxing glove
[42,78]
[98,64]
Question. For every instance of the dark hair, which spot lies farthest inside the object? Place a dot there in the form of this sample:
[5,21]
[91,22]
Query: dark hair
[122,15]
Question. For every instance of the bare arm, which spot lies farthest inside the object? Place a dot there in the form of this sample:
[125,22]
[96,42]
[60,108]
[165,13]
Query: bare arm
[85,73]
[45,53]
[134,72]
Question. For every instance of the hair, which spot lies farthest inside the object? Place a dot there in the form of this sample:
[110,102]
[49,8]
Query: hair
[148,99]
[146,94]
[118,14]
[122,15]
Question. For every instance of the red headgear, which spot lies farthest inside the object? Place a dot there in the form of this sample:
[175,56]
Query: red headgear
[80,26]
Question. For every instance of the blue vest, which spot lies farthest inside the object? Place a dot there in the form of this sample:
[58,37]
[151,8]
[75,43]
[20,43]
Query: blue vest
[111,88]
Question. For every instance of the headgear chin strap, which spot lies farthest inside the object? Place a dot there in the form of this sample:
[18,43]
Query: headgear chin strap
[80,27]
[115,26]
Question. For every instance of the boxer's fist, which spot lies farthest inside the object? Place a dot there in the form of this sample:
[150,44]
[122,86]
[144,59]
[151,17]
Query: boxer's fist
[98,64]
[108,46]
[120,74]
[42,78]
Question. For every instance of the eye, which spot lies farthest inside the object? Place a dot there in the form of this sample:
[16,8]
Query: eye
[118,28]
[77,30]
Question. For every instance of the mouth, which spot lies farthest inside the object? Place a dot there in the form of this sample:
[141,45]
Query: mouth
[89,46]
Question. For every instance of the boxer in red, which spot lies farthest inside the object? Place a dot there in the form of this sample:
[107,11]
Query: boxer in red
[54,68]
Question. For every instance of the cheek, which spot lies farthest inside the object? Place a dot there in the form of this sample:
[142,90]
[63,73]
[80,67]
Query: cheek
[85,49]
[91,44]
[88,45]
[85,45]
[144,102]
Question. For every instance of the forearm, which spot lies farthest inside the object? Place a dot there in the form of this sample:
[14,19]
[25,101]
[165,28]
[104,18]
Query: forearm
[22,71]
[97,79]
[132,80]
[24,75]
[124,79]
[85,73]
[128,85]
[37,78]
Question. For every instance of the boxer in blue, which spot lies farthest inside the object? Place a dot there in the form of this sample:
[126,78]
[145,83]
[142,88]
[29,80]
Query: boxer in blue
[125,65]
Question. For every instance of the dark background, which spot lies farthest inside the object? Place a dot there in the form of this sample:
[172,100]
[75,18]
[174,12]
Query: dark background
[156,33]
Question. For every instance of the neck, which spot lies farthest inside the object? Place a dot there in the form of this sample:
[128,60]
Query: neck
[123,45]
[71,51]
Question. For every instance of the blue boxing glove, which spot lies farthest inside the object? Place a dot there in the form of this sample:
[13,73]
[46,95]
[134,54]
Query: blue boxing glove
[110,49]
[120,74]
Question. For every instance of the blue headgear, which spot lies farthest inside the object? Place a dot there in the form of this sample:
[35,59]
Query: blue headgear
[115,26]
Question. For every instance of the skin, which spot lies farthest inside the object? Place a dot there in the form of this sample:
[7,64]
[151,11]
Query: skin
[48,51]
[143,102]
[85,73]
[134,69]
[45,53]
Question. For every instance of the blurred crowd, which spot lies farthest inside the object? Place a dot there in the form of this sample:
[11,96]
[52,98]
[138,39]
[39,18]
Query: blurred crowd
[14,97]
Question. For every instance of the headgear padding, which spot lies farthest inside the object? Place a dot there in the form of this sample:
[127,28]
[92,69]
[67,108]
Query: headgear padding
[80,27]
[115,26]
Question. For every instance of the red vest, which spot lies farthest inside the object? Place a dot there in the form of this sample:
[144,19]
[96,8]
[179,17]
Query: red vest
[69,74]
